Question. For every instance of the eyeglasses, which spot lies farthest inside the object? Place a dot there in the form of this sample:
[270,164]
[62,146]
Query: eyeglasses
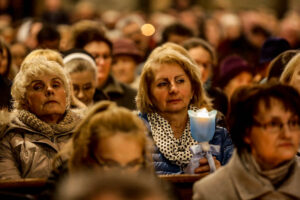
[135,164]
[277,126]
[104,56]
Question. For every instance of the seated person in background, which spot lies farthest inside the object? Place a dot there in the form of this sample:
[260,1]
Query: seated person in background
[18,53]
[82,70]
[108,88]
[176,33]
[170,86]
[205,57]
[42,123]
[113,186]
[265,128]
[48,37]
[5,84]
[126,57]
[234,73]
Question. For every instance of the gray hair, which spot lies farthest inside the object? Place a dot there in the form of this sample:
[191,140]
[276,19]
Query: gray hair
[31,70]
[81,65]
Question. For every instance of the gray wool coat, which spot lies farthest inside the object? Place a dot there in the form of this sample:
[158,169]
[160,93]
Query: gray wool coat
[233,181]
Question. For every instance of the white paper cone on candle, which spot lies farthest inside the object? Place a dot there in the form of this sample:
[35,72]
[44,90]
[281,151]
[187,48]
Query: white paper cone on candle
[202,124]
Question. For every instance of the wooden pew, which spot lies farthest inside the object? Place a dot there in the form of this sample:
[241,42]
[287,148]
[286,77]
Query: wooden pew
[182,183]
[21,189]
[31,187]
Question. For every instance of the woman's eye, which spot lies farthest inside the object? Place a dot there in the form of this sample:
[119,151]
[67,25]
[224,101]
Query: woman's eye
[56,85]
[37,87]
[162,84]
[274,124]
[87,87]
[180,81]
[293,123]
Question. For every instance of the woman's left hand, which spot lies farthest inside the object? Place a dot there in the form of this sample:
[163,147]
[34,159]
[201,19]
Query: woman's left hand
[204,166]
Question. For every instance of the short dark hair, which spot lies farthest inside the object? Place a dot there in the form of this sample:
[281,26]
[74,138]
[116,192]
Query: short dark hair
[245,105]
[90,35]
[177,29]
[48,33]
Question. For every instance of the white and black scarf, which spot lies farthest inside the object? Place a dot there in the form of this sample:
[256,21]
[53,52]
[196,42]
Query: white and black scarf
[177,150]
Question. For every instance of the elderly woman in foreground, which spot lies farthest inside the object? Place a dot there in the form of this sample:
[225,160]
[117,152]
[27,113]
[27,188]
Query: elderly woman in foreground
[265,128]
[170,86]
[42,122]
[110,137]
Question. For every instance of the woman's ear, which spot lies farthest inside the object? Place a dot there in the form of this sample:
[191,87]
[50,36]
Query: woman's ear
[246,138]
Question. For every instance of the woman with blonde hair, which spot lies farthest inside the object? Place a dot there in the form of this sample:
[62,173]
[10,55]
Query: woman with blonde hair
[291,73]
[48,53]
[170,85]
[110,137]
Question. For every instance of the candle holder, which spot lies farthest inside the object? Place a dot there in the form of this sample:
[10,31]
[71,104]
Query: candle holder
[202,129]
[202,124]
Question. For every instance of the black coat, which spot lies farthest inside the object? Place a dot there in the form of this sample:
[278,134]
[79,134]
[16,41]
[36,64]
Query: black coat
[5,96]
[118,92]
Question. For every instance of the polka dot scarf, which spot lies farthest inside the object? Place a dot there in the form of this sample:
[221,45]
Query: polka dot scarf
[177,150]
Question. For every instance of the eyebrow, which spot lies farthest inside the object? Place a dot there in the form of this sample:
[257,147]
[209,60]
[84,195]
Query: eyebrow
[55,79]
[164,78]
[38,80]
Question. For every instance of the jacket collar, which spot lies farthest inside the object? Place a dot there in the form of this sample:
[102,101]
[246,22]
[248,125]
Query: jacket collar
[251,185]
[112,86]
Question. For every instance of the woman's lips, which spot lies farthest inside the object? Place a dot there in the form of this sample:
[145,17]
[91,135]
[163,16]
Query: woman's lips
[286,144]
[174,100]
[52,101]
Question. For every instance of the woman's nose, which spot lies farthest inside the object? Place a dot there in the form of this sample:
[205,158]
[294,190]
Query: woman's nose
[49,91]
[173,88]
[100,61]
[286,131]
[80,94]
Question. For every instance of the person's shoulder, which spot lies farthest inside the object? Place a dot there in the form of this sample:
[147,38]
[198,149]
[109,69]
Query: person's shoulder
[127,89]
[214,186]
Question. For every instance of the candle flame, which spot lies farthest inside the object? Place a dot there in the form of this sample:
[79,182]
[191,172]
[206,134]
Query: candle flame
[202,113]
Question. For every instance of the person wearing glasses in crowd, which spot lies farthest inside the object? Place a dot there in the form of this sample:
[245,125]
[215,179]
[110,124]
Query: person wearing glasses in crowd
[105,142]
[108,88]
[265,128]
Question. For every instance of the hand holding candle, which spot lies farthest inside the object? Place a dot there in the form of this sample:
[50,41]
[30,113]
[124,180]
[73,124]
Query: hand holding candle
[202,130]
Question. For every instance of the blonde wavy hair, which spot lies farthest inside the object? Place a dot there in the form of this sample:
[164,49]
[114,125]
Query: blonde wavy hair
[48,53]
[290,69]
[31,70]
[106,119]
[170,53]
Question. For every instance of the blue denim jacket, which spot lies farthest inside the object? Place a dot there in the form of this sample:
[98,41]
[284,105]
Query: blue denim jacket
[221,137]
